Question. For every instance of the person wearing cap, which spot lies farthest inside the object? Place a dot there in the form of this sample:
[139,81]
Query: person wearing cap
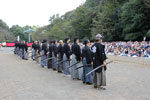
[99,58]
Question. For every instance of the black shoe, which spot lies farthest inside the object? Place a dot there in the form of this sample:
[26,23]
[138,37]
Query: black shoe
[95,86]
[84,82]
[89,83]
[59,72]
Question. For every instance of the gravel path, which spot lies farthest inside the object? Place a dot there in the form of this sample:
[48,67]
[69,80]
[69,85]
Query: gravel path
[26,80]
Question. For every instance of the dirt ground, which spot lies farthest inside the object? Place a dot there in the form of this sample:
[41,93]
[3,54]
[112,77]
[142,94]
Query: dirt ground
[127,79]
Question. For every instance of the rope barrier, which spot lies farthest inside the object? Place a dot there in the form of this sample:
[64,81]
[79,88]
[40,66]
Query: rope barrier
[142,63]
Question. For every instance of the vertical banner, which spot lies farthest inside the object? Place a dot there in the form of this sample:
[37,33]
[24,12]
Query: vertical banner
[18,38]
[144,38]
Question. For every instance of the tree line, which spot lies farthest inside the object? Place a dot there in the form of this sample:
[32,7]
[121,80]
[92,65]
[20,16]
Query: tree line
[10,34]
[116,20]
[5,35]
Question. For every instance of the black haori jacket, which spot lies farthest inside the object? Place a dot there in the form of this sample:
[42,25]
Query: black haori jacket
[33,46]
[38,48]
[60,51]
[50,50]
[76,51]
[86,52]
[25,47]
[19,45]
[44,47]
[66,50]
[54,49]
[98,56]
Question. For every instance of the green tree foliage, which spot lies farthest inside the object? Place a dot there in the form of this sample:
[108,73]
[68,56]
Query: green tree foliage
[3,25]
[116,20]
[5,35]
[105,20]
[135,18]
[67,24]
[80,23]
[40,33]
[55,29]
[9,34]
[17,30]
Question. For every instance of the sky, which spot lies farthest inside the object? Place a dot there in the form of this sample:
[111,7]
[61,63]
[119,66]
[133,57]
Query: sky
[34,12]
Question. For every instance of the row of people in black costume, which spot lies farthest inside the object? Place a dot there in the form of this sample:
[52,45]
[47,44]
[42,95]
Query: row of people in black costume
[89,57]
[36,50]
[21,49]
[66,59]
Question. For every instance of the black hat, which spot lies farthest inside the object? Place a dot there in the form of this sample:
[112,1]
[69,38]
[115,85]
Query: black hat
[66,39]
[44,40]
[75,39]
[86,42]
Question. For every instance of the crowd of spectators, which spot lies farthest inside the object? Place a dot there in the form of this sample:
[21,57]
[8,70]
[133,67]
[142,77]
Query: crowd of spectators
[131,49]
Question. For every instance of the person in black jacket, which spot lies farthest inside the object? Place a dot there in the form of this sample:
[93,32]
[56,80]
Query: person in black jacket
[23,47]
[54,54]
[44,53]
[19,47]
[38,52]
[22,50]
[15,50]
[60,55]
[50,55]
[33,50]
[76,58]
[87,62]
[66,57]
[99,58]
[25,50]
